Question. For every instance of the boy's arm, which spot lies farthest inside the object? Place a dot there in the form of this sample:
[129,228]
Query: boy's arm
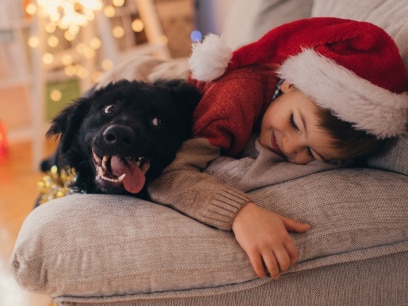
[201,196]
[262,234]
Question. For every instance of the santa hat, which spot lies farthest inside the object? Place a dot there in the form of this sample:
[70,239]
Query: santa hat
[350,67]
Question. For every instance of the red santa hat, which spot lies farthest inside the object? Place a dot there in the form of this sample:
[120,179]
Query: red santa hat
[352,68]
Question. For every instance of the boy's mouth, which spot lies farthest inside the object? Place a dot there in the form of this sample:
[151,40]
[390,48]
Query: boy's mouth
[275,146]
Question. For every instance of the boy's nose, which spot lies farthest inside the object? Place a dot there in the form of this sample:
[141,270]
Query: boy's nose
[289,145]
[292,144]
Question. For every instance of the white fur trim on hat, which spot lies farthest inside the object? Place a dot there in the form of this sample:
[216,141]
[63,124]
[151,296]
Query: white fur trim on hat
[351,98]
[209,58]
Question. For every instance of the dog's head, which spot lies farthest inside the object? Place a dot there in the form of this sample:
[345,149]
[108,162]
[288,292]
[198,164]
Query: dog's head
[124,134]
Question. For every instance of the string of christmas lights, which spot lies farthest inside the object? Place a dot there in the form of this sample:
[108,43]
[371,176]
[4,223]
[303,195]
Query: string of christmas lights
[69,17]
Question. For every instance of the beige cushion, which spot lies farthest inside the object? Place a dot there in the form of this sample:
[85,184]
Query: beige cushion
[392,157]
[91,245]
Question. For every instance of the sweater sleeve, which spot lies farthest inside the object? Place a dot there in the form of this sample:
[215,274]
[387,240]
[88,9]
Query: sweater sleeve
[230,109]
[201,196]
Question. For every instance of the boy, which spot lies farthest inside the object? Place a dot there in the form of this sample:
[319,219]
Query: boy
[337,89]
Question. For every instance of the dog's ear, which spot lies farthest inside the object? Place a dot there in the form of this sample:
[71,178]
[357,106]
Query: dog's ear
[68,121]
[72,115]
[186,96]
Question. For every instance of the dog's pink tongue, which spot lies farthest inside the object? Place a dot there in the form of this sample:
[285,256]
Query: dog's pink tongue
[134,179]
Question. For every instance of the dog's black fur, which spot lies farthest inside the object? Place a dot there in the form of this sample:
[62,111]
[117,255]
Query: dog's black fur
[138,127]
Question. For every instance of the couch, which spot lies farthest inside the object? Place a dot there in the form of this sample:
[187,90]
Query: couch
[119,250]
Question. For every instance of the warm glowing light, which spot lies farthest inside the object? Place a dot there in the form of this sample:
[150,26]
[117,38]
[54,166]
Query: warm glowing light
[48,58]
[81,72]
[33,41]
[118,3]
[31,9]
[69,36]
[55,95]
[70,14]
[95,43]
[50,27]
[137,25]
[70,70]
[81,48]
[107,64]
[109,11]
[118,31]
[53,41]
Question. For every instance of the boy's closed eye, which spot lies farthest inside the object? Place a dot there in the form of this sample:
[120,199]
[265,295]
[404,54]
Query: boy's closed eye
[293,123]
[296,127]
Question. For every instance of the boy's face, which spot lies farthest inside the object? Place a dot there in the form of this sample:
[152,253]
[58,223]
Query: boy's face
[290,129]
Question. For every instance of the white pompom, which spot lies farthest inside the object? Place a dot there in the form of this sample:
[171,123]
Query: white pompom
[209,59]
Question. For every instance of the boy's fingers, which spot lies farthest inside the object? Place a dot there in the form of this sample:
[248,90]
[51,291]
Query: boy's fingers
[295,226]
[257,265]
[292,251]
[284,260]
[272,265]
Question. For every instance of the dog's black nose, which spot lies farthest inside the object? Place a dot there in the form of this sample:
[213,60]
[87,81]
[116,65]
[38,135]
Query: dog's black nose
[118,135]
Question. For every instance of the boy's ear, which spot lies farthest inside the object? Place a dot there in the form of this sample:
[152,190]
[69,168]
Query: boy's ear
[286,86]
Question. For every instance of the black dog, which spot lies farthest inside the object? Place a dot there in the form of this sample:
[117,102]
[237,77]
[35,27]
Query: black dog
[121,136]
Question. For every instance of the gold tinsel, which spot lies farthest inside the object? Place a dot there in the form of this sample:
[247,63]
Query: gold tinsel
[56,184]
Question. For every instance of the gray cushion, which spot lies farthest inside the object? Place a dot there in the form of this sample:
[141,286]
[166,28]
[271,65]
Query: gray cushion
[103,245]
[392,157]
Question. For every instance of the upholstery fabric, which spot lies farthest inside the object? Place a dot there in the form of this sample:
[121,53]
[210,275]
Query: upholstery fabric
[392,157]
[116,245]
[352,283]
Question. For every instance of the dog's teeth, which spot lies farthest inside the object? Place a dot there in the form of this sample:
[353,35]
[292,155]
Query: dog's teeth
[104,161]
[101,172]
[120,178]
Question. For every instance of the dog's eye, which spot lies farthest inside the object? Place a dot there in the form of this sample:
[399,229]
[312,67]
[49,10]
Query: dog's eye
[158,122]
[109,109]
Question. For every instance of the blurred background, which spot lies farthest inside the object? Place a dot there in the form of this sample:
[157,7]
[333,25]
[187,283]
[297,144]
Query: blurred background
[53,50]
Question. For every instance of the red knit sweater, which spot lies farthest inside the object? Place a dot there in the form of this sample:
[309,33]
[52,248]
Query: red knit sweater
[232,107]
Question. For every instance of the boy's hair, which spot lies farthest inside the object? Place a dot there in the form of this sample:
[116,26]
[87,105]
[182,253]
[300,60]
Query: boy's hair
[349,141]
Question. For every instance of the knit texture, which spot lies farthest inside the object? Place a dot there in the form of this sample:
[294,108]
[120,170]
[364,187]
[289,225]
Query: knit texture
[232,107]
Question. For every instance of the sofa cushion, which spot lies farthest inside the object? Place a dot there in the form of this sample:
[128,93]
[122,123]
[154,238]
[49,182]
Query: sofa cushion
[104,245]
[391,157]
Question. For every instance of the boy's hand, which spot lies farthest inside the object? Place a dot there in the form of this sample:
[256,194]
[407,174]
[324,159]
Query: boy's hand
[264,237]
